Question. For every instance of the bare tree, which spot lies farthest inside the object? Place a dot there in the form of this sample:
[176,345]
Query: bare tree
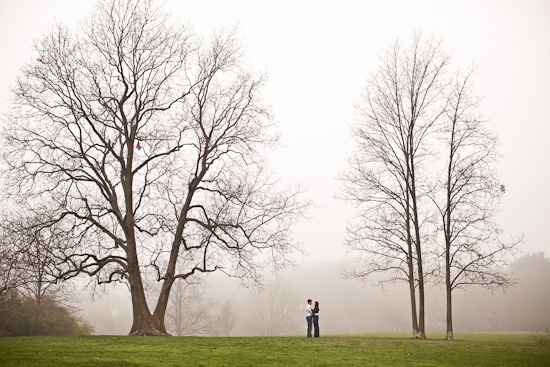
[473,254]
[35,262]
[270,309]
[225,320]
[10,258]
[149,147]
[400,109]
[189,312]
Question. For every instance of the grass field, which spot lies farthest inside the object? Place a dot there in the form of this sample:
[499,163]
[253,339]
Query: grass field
[334,350]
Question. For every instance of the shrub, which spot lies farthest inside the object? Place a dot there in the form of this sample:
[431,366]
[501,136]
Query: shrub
[21,316]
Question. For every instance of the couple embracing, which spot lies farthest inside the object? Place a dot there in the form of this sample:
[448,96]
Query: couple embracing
[312,318]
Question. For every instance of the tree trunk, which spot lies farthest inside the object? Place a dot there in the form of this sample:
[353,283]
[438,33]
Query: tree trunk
[416,221]
[447,231]
[449,300]
[421,332]
[421,319]
[413,296]
[164,296]
[144,323]
[410,263]
[448,285]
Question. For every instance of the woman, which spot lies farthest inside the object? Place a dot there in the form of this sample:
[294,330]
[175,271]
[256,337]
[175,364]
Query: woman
[316,320]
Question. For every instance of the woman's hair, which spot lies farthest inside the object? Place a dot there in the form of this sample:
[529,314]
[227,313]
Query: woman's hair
[316,304]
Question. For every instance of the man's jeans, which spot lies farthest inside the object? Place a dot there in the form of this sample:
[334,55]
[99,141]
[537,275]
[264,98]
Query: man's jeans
[309,325]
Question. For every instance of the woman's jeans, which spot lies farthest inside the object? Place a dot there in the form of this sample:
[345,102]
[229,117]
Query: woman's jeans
[316,326]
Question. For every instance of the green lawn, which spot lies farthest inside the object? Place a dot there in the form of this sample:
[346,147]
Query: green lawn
[334,350]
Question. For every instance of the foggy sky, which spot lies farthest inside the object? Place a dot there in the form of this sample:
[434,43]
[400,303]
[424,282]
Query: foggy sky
[318,55]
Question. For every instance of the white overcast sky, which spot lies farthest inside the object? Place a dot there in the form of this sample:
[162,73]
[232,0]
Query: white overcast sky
[318,55]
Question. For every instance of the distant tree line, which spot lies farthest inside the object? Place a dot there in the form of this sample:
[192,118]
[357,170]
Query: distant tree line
[351,307]
[524,306]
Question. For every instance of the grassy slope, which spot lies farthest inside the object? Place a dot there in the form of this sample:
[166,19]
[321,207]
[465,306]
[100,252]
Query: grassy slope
[341,350]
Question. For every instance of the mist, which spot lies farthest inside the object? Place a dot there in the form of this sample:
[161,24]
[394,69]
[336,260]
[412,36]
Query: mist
[318,57]
[347,306]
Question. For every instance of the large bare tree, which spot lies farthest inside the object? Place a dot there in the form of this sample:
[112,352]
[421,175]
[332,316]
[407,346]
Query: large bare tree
[400,108]
[148,144]
[468,199]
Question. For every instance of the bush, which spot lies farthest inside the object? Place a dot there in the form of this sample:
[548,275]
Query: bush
[21,316]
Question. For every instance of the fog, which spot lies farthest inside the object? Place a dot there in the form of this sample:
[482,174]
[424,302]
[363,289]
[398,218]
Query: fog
[318,56]
[347,306]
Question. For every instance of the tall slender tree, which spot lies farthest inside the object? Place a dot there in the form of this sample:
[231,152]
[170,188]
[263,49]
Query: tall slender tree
[470,193]
[400,109]
[148,145]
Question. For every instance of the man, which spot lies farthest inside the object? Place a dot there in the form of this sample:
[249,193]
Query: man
[309,318]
